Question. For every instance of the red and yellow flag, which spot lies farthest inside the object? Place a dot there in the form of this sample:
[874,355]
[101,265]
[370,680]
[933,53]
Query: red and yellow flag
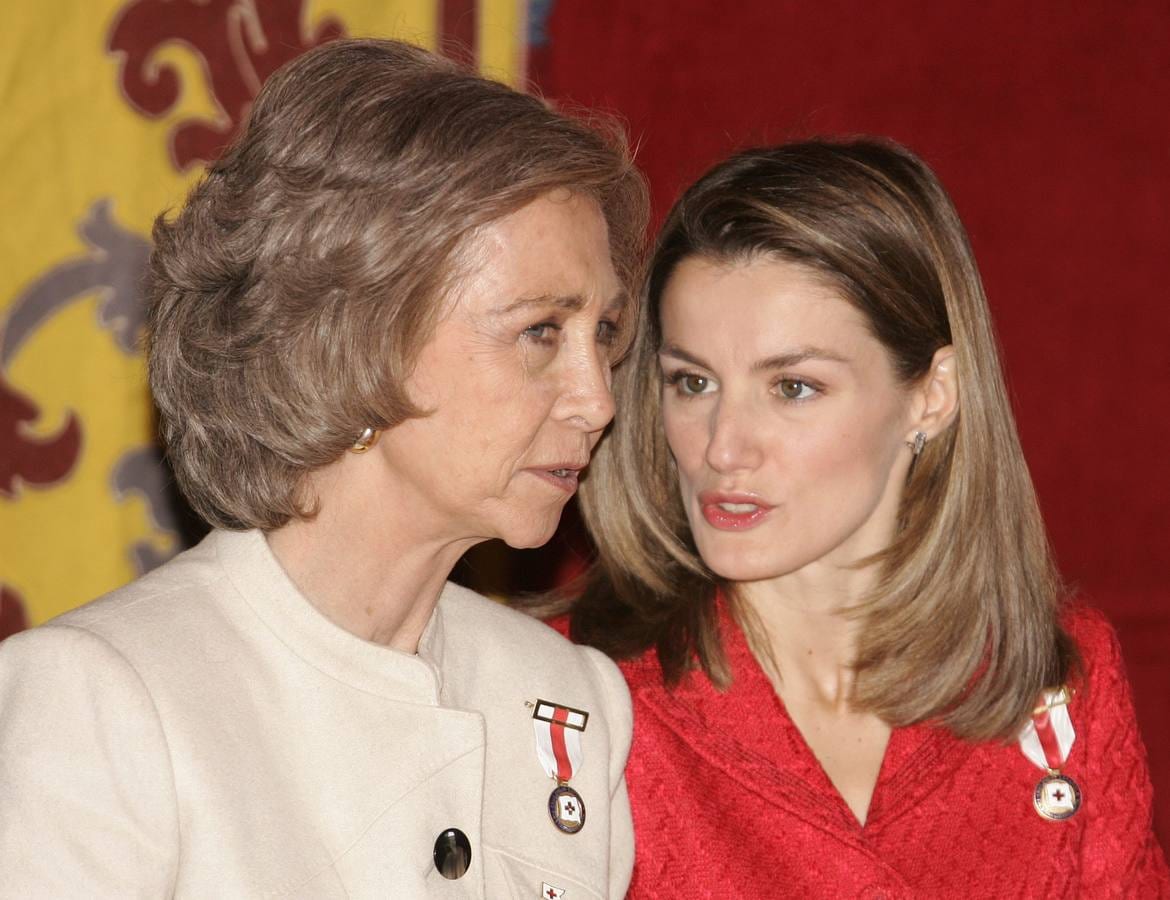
[111,109]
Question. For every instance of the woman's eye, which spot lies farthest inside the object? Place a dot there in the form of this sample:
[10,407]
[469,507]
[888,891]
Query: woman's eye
[688,384]
[795,389]
[542,332]
[607,332]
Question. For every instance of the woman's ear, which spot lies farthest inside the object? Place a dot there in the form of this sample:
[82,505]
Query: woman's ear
[937,395]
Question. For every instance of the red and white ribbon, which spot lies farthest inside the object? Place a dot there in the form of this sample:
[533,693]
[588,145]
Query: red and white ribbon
[558,738]
[1048,738]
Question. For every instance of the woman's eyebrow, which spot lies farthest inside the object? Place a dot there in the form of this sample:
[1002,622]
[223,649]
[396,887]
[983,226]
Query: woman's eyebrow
[618,302]
[779,361]
[571,302]
[796,357]
[567,301]
[674,350]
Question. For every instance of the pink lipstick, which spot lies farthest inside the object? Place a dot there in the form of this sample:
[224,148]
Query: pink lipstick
[732,512]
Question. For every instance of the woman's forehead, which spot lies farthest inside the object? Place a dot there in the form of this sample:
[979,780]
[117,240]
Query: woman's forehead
[764,298]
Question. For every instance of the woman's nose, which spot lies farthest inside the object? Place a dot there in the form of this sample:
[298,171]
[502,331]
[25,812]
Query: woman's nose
[732,445]
[587,401]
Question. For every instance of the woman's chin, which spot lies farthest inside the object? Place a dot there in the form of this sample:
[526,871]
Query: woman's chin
[531,535]
[738,566]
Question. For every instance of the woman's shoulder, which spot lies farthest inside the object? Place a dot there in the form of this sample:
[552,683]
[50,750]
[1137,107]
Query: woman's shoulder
[516,641]
[1094,638]
[466,612]
[1100,683]
[149,611]
[1086,625]
[638,670]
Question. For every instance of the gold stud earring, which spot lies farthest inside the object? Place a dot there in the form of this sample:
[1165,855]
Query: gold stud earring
[366,440]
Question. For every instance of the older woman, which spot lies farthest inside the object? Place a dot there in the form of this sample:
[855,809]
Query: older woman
[380,331]
[822,558]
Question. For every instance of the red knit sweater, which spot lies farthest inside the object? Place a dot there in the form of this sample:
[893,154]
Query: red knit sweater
[729,800]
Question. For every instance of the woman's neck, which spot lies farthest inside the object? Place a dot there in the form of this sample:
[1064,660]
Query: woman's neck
[801,633]
[800,629]
[364,568]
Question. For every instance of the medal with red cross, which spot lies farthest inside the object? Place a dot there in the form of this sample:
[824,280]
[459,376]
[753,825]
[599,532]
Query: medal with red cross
[558,747]
[1047,741]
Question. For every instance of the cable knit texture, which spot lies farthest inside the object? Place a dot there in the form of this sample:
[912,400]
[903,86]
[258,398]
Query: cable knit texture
[729,800]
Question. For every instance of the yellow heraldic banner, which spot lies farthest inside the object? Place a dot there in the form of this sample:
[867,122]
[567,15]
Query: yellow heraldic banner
[111,109]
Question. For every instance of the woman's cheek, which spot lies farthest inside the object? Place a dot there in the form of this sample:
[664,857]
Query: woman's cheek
[682,436]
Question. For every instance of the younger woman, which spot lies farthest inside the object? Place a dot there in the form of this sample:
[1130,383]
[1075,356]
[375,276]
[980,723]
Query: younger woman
[822,561]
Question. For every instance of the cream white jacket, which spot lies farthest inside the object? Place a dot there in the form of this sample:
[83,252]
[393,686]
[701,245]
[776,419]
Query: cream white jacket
[206,733]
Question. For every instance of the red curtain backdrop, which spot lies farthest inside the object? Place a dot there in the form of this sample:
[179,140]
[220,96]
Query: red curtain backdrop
[1048,123]
[1046,120]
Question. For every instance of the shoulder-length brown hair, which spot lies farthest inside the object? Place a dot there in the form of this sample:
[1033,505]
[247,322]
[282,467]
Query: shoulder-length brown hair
[288,300]
[962,627]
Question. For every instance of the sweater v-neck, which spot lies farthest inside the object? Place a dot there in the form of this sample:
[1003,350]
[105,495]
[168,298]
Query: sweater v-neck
[751,735]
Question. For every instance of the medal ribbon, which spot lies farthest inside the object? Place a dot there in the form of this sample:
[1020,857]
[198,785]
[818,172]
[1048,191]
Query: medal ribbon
[1048,738]
[1048,742]
[560,751]
[558,747]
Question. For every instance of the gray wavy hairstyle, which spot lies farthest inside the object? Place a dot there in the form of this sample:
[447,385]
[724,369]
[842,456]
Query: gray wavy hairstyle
[288,299]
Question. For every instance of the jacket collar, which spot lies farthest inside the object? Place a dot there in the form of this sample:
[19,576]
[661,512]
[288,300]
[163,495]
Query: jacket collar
[262,584]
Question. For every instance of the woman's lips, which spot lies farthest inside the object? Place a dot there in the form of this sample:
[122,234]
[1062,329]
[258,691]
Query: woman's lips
[733,512]
[563,477]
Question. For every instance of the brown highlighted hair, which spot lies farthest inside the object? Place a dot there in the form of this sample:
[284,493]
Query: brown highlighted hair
[288,299]
[962,627]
